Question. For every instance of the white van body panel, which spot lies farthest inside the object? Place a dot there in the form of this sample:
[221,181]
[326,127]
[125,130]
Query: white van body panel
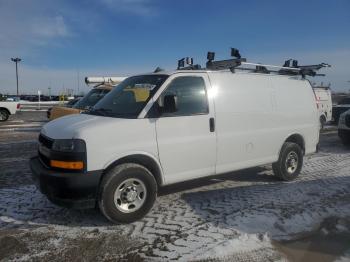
[324,101]
[256,113]
[107,139]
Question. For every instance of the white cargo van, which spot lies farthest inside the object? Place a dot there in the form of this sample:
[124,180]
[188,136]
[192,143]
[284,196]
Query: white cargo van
[324,103]
[187,124]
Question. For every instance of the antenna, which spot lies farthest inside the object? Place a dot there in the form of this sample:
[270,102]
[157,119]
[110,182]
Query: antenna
[158,69]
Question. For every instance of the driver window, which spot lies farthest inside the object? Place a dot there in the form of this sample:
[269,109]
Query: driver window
[191,96]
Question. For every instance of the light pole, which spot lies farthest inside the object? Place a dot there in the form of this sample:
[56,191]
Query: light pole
[49,92]
[16,60]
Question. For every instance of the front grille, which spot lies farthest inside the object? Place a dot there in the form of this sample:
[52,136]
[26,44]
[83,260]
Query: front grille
[347,120]
[47,142]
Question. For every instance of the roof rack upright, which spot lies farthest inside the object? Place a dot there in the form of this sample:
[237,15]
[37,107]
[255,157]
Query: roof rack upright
[225,64]
[189,62]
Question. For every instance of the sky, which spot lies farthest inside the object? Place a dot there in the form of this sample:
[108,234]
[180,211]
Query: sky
[61,42]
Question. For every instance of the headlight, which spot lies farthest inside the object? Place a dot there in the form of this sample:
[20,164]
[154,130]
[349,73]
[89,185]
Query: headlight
[69,145]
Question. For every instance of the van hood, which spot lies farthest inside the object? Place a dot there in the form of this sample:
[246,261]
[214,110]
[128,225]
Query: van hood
[74,126]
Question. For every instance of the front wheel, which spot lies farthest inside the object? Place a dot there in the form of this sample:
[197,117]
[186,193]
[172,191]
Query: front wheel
[127,193]
[4,115]
[289,163]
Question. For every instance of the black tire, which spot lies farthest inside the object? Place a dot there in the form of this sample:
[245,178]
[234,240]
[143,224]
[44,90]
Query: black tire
[344,137]
[280,168]
[345,141]
[113,180]
[4,115]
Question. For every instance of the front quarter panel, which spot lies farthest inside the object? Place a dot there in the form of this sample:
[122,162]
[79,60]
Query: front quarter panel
[117,138]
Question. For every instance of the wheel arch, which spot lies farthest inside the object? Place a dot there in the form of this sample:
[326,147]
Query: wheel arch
[142,159]
[5,109]
[324,116]
[297,139]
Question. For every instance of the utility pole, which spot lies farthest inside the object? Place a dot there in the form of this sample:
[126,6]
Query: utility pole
[78,76]
[16,60]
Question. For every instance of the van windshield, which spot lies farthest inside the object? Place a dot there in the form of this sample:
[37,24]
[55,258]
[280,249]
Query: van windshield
[129,98]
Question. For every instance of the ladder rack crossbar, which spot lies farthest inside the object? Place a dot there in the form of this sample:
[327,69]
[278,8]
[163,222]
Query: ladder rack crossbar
[273,66]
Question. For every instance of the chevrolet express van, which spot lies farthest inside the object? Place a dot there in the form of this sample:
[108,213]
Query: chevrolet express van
[187,124]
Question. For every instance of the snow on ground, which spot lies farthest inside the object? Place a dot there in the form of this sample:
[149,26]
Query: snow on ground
[237,216]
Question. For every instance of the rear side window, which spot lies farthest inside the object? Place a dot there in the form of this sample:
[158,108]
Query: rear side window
[191,96]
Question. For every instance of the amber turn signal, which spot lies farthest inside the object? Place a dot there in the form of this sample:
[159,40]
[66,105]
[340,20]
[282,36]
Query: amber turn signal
[67,165]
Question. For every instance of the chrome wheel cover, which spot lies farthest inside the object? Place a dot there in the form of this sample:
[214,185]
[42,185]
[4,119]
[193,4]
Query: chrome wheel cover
[292,162]
[130,195]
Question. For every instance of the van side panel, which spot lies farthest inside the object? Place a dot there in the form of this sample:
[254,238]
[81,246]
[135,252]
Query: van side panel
[244,113]
[296,111]
[256,113]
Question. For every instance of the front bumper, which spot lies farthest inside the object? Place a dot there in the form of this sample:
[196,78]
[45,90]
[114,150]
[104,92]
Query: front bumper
[74,190]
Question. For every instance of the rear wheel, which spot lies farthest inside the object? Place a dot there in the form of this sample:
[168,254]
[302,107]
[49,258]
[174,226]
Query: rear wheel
[4,115]
[289,163]
[127,193]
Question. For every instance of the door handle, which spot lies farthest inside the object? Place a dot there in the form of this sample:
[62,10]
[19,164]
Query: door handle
[212,124]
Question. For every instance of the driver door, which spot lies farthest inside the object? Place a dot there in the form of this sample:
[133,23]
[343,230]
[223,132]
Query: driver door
[186,138]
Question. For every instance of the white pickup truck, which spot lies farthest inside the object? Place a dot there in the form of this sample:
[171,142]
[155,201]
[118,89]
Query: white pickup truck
[8,108]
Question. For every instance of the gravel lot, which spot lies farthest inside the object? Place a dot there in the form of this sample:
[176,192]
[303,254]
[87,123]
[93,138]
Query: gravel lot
[241,216]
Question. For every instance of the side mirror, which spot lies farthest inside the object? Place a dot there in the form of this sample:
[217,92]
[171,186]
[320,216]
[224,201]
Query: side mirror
[170,104]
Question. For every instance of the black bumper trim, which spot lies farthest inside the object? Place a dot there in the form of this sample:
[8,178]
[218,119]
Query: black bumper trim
[74,190]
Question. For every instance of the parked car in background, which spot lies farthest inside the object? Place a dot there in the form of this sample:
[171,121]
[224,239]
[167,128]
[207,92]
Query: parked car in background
[102,86]
[86,102]
[72,102]
[69,104]
[12,99]
[344,128]
[342,106]
[8,108]
[324,103]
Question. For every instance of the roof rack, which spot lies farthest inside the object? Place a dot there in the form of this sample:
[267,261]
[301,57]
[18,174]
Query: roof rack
[290,66]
